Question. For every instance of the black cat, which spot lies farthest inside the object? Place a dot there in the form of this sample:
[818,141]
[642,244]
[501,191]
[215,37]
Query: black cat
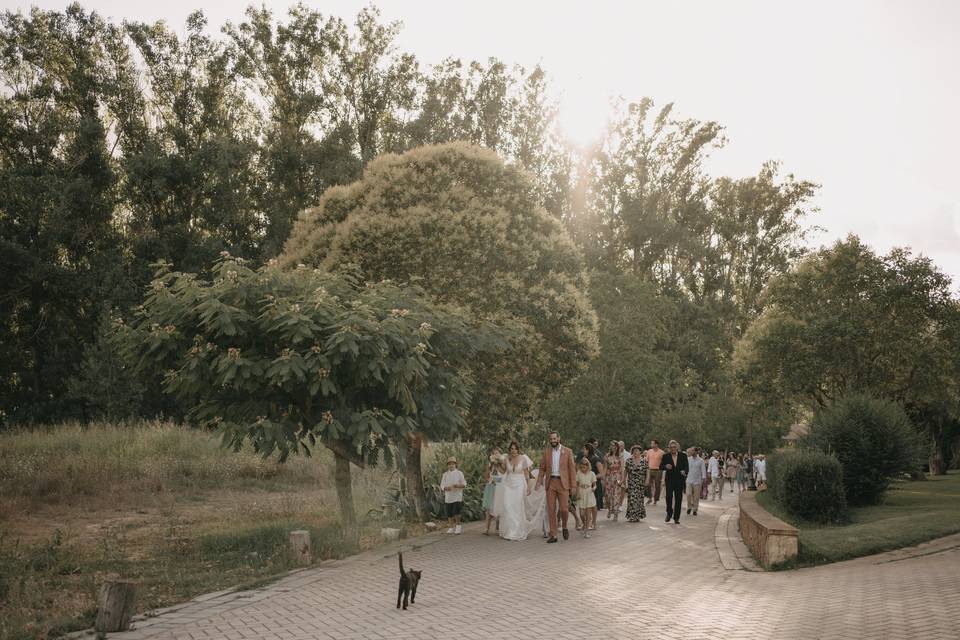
[408,584]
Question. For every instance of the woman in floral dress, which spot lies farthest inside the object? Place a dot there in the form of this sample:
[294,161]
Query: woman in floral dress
[636,471]
[613,481]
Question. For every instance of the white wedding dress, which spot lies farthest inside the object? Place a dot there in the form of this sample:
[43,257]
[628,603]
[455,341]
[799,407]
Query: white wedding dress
[515,520]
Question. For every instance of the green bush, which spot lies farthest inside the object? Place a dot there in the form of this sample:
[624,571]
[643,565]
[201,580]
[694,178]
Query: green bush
[472,460]
[873,440]
[809,484]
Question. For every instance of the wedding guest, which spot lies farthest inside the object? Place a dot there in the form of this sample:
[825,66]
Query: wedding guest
[705,487]
[636,472]
[675,479]
[741,473]
[613,481]
[716,478]
[654,477]
[586,498]
[596,465]
[696,474]
[730,468]
[493,477]
[452,483]
[761,470]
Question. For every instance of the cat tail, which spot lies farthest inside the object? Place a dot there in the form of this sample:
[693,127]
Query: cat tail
[400,555]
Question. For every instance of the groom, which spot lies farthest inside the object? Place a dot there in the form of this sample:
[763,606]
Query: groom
[560,474]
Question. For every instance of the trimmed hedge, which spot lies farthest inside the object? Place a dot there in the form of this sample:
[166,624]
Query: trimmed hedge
[809,484]
[873,440]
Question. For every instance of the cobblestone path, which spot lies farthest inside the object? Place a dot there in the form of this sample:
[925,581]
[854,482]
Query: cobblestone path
[646,580]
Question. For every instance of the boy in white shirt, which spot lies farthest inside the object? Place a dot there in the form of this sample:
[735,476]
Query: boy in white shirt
[452,484]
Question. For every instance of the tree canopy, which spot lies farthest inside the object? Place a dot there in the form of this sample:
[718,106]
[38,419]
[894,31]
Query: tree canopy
[847,320]
[287,359]
[467,228]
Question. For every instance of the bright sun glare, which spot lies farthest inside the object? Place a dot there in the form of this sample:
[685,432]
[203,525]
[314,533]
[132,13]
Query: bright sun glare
[583,114]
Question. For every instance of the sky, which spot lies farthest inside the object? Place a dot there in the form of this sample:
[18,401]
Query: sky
[861,97]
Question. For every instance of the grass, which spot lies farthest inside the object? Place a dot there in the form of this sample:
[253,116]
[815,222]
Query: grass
[158,503]
[913,512]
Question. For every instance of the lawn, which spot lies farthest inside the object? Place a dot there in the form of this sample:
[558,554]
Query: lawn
[159,503]
[913,512]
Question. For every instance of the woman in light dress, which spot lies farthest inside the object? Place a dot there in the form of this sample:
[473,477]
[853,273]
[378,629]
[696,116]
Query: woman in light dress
[613,481]
[514,523]
[730,468]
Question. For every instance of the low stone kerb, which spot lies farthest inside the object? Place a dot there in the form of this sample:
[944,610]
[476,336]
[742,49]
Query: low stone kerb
[771,540]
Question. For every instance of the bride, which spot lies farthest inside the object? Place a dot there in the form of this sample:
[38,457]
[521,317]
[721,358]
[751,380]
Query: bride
[514,522]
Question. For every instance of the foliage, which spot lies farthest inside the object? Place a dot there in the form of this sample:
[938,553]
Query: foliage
[619,394]
[436,216]
[808,483]
[106,383]
[288,358]
[59,250]
[873,440]
[472,460]
[847,320]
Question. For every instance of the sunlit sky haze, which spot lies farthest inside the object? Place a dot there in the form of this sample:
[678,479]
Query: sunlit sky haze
[860,96]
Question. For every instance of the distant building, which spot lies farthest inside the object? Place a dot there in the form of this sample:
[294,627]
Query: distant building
[797,431]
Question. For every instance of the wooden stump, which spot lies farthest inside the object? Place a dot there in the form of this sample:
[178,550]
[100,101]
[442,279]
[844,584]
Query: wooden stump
[115,605]
[389,533]
[300,547]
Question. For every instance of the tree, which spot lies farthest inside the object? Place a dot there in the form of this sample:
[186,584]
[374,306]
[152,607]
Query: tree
[192,186]
[373,82]
[287,66]
[623,389]
[286,359]
[60,253]
[847,320]
[466,227]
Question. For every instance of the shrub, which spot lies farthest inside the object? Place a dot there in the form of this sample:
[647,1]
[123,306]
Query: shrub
[873,440]
[472,460]
[809,484]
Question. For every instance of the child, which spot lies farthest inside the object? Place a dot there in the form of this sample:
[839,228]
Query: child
[586,499]
[452,484]
[493,478]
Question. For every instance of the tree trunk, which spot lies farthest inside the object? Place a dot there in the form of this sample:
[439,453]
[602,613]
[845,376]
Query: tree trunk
[955,453]
[937,462]
[348,517]
[413,472]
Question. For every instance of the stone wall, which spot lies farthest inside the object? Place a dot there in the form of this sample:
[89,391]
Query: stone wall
[772,541]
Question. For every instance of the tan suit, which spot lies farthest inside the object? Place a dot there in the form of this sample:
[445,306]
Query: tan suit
[558,488]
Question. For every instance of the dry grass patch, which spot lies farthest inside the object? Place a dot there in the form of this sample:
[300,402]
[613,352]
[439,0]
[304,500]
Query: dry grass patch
[156,502]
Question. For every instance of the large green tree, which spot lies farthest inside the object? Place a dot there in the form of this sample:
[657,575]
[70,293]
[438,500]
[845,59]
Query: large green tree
[287,66]
[289,359]
[192,186]
[60,251]
[466,227]
[847,320]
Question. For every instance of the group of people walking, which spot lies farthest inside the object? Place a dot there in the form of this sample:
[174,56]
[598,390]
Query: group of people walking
[519,495]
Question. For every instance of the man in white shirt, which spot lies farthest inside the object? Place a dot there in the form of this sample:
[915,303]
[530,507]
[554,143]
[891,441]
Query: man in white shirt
[714,471]
[760,469]
[452,484]
[696,474]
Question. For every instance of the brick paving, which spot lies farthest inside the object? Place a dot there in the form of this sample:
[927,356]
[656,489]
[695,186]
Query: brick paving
[646,580]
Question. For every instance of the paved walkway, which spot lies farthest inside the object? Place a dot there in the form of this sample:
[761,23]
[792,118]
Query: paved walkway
[646,580]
